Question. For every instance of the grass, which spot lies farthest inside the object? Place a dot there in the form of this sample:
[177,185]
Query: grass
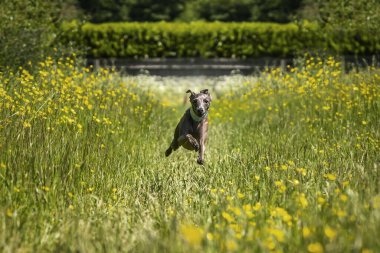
[292,163]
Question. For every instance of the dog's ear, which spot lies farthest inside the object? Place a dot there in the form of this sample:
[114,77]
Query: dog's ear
[205,91]
[192,94]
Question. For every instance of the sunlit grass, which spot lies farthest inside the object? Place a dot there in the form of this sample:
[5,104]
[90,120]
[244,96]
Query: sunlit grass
[291,164]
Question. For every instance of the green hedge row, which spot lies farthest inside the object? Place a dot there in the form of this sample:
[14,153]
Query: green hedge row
[202,39]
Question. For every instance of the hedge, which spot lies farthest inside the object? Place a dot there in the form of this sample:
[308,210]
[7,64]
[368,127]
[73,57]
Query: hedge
[209,40]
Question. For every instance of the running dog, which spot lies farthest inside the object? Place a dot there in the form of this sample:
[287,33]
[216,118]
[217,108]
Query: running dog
[191,131]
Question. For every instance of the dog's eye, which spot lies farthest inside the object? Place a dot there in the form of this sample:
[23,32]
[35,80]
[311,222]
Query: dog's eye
[206,101]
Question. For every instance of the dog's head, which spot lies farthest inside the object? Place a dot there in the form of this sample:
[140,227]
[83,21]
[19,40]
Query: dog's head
[200,102]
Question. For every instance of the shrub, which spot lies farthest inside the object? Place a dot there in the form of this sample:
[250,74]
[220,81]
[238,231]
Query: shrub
[208,40]
[27,31]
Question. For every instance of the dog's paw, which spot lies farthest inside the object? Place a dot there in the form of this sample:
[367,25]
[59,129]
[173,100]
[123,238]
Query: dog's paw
[200,161]
[193,142]
[196,146]
[168,152]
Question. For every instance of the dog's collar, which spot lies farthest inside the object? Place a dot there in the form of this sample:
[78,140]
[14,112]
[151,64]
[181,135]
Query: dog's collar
[195,117]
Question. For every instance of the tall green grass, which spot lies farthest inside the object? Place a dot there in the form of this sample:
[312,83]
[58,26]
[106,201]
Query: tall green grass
[292,164]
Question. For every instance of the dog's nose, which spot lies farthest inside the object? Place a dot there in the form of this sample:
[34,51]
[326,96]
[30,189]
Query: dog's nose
[200,111]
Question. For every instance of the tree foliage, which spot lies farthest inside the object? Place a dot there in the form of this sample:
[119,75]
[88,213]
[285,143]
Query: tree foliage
[353,15]
[27,30]
[190,10]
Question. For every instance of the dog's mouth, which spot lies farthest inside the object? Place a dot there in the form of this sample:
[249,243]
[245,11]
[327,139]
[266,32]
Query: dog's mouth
[201,114]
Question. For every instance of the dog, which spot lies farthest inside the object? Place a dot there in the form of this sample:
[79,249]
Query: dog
[191,131]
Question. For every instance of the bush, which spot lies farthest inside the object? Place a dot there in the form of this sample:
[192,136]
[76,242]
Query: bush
[27,31]
[208,40]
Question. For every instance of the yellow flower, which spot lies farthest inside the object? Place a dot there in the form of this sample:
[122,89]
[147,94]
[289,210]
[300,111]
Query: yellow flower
[330,176]
[192,234]
[231,245]
[257,206]
[277,233]
[228,217]
[283,214]
[236,210]
[341,213]
[269,243]
[302,200]
[26,124]
[302,171]
[326,108]
[343,197]
[45,188]
[9,213]
[376,202]
[171,211]
[321,200]
[306,232]
[210,236]
[315,248]
[330,232]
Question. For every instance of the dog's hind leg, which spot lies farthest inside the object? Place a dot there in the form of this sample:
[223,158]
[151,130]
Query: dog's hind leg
[173,146]
[168,151]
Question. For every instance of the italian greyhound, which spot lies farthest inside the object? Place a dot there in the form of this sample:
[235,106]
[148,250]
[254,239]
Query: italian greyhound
[191,131]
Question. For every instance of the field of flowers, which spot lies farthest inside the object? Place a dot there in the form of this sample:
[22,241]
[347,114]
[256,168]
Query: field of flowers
[292,163]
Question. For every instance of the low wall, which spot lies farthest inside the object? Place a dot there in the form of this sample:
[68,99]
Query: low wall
[213,67]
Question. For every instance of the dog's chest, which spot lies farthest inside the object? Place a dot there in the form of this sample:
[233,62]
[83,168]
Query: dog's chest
[196,130]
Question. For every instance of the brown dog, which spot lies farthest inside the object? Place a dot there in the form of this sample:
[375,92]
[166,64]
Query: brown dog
[191,131]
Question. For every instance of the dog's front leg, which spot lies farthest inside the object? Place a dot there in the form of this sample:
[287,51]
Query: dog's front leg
[189,142]
[202,148]
[202,140]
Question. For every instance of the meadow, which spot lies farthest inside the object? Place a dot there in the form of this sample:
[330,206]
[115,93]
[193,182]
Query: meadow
[292,162]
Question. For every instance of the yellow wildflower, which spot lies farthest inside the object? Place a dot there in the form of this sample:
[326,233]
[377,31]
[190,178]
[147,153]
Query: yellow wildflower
[321,200]
[192,234]
[343,197]
[315,248]
[269,243]
[302,200]
[231,245]
[306,232]
[228,217]
[330,176]
[330,232]
[277,233]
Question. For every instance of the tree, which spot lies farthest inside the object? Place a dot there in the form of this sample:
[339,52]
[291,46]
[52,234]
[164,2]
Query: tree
[224,10]
[27,30]
[350,15]
[275,10]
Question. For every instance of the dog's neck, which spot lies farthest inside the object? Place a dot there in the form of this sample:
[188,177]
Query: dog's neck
[195,117]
